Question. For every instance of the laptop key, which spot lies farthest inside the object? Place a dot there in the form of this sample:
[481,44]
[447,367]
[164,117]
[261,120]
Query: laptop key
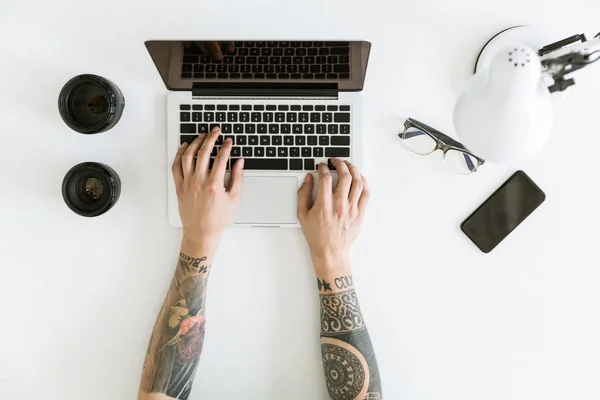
[337,152]
[309,129]
[294,151]
[187,128]
[345,129]
[219,140]
[209,116]
[236,151]
[276,140]
[247,152]
[312,140]
[318,152]
[253,140]
[291,117]
[309,164]
[250,128]
[273,128]
[220,117]
[255,117]
[187,139]
[184,107]
[270,164]
[319,108]
[246,107]
[300,140]
[288,140]
[340,141]
[324,140]
[244,116]
[197,116]
[297,128]
[261,128]
[296,165]
[226,128]
[197,107]
[279,117]
[202,128]
[268,117]
[303,117]
[282,151]
[259,151]
[238,128]
[271,152]
[341,117]
[315,117]
[184,116]
[265,140]
[306,152]
[213,126]
[327,117]
[332,129]
[232,117]
[344,51]
[240,140]
[286,128]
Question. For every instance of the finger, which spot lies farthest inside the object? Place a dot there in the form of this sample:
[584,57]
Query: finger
[364,197]
[236,179]
[176,167]
[305,196]
[344,178]
[325,188]
[357,184]
[215,50]
[229,46]
[203,46]
[188,161]
[220,165]
[205,150]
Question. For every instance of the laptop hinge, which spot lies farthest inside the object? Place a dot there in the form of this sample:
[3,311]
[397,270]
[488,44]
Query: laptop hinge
[261,91]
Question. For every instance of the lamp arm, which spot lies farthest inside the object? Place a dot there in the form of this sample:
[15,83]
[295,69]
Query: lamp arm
[561,59]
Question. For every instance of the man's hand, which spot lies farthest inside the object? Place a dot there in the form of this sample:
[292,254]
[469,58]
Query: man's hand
[332,224]
[205,205]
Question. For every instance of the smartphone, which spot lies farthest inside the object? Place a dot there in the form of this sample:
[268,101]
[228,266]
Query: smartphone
[503,211]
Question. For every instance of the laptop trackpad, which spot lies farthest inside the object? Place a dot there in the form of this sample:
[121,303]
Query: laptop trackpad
[268,200]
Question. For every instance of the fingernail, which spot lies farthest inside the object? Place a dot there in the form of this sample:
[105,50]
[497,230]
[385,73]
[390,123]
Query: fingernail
[241,161]
[217,57]
[228,140]
[307,177]
[216,129]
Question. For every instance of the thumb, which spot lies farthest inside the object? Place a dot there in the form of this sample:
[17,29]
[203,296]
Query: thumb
[235,181]
[305,196]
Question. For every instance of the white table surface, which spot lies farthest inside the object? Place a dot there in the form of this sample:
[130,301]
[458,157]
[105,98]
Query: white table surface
[79,297]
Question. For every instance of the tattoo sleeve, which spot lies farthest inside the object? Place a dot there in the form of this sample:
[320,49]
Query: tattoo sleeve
[178,335]
[347,353]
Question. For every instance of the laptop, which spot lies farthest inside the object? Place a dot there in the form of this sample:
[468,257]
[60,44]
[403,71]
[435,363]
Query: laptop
[287,106]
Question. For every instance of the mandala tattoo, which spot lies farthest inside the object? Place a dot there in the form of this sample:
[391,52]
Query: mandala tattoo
[346,370]
[340,313]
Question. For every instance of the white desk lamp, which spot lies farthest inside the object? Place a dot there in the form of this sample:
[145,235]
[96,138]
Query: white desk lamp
[505,114]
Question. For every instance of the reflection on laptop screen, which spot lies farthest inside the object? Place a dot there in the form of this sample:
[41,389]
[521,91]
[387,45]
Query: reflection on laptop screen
[183,63]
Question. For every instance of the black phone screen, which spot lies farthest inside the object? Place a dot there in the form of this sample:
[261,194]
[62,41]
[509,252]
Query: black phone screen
[503,211]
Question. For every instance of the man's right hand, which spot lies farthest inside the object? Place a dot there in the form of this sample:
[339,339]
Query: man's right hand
[333,222]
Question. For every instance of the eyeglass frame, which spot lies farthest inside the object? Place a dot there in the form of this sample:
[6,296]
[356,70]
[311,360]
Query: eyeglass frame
[443,142]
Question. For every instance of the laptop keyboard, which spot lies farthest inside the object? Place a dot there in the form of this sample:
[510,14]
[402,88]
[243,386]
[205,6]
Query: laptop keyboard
[271,60]
[272,137]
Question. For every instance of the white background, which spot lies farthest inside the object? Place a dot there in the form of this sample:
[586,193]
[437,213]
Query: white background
[79,297]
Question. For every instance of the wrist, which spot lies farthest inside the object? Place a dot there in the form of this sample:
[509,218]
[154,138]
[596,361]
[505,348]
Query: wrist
[199,246]
[331,264]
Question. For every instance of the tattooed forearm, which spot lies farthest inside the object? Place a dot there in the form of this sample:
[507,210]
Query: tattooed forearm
[346,350]
[178,335]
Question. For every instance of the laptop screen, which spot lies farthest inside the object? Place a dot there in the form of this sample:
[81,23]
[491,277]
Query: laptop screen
[183,63]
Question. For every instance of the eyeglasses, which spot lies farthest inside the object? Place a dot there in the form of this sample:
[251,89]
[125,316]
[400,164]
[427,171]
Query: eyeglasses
[422,139]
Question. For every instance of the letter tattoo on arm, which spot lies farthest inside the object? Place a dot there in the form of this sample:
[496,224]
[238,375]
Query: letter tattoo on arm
[348,358]
[178,336]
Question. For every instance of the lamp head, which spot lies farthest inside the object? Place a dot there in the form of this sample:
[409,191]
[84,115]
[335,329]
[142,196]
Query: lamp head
[504,115]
